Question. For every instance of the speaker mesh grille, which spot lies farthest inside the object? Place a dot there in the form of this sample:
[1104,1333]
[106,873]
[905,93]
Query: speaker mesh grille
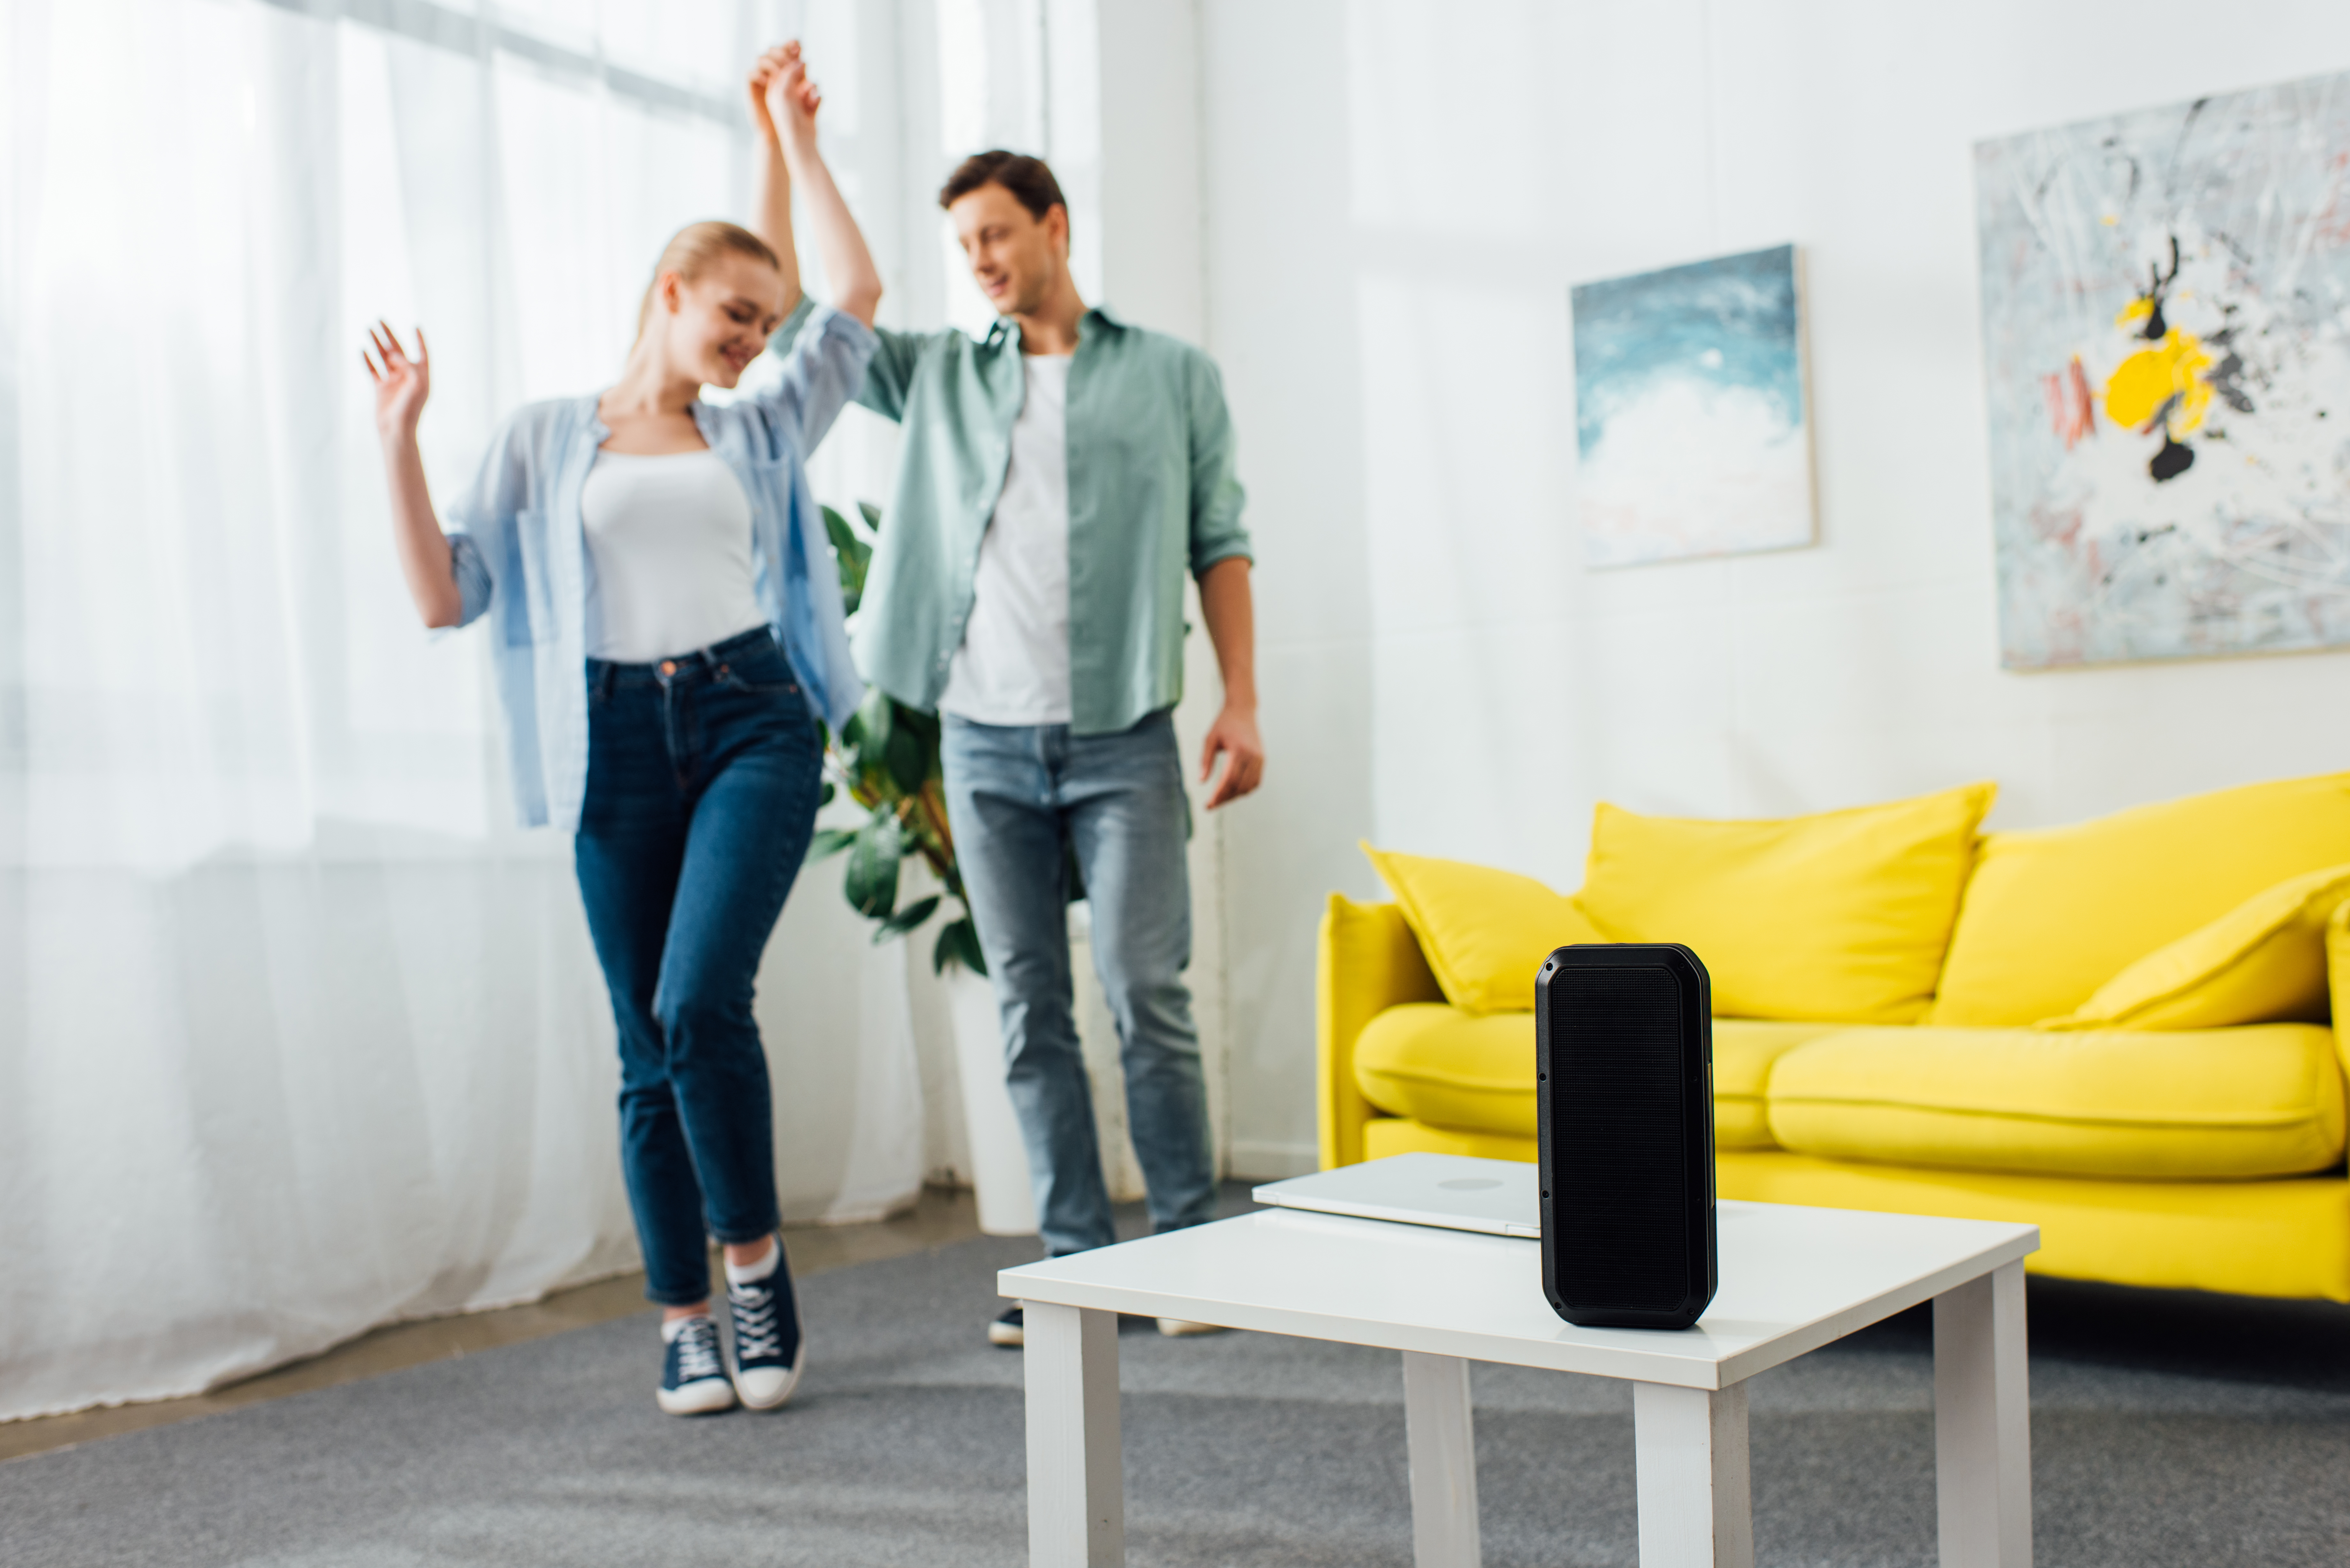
[1619,1195]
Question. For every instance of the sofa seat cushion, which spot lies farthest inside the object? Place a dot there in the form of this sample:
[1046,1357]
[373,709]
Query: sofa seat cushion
[1452,1068]
[2266,1100]
[1744,1052]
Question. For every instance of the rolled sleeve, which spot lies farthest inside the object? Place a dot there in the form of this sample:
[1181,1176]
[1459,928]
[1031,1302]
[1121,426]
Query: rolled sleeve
[474,580]
[482,519]
[1217,498]
[823,371]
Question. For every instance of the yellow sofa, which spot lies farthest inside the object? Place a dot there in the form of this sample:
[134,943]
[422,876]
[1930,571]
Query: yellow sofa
[2201,1158]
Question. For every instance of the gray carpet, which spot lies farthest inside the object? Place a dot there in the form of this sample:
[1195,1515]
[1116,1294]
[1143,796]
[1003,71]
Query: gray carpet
[2165,1429]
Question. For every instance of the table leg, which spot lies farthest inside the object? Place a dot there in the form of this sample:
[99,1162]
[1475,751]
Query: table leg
[1076,1503]
[1442,1444]
[1696,1508]
[1982,1422]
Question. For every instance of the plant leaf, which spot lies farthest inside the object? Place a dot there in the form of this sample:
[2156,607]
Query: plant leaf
[830,840]
[877,715]
[853,554]
[870,883]
[908,765]
[872,514]
[906,919]
[959,943]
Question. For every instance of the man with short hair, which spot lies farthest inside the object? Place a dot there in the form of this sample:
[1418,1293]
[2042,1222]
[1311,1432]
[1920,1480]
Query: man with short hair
[1059,477]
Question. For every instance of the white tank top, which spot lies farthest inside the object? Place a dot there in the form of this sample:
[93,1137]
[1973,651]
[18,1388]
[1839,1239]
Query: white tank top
[670,540]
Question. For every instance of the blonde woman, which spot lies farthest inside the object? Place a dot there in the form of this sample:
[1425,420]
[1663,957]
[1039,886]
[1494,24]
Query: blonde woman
[667,624]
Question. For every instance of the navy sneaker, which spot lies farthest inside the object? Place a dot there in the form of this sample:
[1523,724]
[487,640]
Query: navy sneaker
[1010,1331]
[694,1380]
[769,1353]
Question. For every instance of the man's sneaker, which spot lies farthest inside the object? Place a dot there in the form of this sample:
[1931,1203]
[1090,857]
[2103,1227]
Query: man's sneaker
[693,1380]
[769,1351]
[1178,1327]
[1010,1331]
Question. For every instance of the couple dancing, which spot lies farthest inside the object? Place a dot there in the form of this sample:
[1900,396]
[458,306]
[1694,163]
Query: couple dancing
[668,638]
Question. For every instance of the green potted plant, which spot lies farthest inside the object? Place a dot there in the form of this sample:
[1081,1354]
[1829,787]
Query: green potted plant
[886,758]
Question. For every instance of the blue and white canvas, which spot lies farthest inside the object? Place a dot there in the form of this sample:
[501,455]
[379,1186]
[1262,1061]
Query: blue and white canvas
[1689,412]
[2166,303]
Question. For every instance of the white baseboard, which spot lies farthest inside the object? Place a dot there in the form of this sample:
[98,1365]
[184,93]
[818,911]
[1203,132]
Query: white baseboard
[1251,1161]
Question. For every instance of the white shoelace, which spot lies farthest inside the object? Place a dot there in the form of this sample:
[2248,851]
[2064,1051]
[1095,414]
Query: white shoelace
[756,1336]
[697,1350]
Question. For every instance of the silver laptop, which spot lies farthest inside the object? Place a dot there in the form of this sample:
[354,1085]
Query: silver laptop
[1498,1196]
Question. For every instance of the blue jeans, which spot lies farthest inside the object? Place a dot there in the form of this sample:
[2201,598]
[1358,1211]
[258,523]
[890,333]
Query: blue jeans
[702,774]
[1019,797]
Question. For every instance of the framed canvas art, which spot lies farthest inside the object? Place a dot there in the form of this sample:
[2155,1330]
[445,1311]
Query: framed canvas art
[2165,299]
[1691,429]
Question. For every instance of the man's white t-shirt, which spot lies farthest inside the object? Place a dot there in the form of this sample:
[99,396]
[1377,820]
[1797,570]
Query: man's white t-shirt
[1014,665]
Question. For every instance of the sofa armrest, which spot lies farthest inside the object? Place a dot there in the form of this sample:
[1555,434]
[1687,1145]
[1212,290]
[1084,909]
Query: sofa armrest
[1368,962]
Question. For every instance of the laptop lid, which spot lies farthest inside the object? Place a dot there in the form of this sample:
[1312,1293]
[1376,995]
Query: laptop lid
[1498,1196]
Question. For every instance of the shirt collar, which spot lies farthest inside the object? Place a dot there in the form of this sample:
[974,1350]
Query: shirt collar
[1007,330]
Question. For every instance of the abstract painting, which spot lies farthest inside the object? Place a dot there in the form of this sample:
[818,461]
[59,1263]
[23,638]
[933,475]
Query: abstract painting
[2166,300]
[1689,411]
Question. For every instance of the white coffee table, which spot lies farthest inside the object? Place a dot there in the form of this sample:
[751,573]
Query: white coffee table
[1791,1281]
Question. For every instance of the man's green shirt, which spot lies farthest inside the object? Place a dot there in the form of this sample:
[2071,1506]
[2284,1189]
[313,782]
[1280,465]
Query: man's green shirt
[1151,496]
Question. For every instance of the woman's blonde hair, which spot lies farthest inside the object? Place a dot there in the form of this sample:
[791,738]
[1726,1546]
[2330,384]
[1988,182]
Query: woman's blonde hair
[692,251]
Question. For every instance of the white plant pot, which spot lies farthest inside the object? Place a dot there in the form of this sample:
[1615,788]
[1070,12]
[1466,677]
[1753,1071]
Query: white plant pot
[999,1159]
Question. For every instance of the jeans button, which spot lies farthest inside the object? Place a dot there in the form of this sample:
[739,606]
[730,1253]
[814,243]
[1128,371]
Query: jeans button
[669,666]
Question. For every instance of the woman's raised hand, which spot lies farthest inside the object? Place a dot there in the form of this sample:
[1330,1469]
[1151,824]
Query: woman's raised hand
[783,100]
[401,384]
[792,101]
[762,70]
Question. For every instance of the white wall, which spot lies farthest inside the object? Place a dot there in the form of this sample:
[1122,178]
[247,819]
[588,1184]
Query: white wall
[1399,197]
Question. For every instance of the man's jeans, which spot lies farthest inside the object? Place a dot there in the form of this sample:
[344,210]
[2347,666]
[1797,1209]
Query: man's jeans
[702,774]
[1019,797]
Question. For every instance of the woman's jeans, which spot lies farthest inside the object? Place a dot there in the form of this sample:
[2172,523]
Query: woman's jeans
[702,774]
[1019,798]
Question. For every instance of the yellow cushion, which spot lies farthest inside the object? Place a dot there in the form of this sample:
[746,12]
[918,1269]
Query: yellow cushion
[2213,1103]
[1744,1049]
[2263,961]
[1455,1069]
[2337,971]
[1452,1068]
[1840,915]
[2052,914]
[1485,931]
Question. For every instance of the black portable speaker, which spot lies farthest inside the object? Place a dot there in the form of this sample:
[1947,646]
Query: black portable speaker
[1623,1051]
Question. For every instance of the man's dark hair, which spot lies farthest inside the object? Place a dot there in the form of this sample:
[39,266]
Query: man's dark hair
[1029,180]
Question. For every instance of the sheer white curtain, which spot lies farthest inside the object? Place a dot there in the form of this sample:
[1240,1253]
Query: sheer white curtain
[298,1033]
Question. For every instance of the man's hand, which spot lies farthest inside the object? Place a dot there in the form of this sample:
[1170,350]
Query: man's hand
[762,70]
[1234,735]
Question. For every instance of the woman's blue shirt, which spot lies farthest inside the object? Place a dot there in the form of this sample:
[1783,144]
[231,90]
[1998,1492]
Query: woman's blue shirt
[521,556]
